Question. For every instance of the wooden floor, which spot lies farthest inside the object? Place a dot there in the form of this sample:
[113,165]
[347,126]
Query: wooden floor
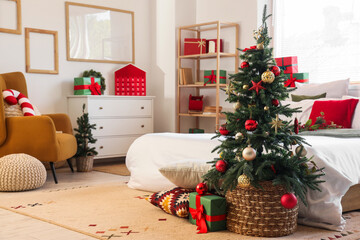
[15,226]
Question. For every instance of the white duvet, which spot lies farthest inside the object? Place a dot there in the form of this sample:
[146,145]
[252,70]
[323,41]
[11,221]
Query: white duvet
[339,156]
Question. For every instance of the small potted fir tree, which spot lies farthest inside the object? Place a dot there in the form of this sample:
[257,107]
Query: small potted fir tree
[85,154]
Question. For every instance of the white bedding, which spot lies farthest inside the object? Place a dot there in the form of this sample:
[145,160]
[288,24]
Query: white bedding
[339,156]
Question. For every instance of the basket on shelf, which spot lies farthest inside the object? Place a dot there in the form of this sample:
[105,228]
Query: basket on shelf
[258,212]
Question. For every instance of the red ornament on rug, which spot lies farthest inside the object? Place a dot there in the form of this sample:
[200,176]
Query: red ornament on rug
[275,102]
[244,65]
[223,130]
[296,126]
[201,188]
[221,166]
[250,125]
[276,70]
[288,200]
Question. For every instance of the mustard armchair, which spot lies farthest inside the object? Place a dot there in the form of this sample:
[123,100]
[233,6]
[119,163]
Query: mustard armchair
[35,135]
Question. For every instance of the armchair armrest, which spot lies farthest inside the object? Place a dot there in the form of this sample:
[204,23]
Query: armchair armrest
[35,136]
[62,122]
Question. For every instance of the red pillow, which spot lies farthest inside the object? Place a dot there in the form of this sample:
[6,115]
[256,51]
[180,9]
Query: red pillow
[338,111]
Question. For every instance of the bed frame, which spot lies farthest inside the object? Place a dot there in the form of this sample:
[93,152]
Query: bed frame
[350,201]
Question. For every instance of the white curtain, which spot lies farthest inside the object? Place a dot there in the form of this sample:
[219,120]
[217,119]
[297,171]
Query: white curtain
[324,34]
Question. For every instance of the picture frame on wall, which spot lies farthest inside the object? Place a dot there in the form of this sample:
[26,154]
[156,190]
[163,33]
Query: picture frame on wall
[41,51]
[10,16]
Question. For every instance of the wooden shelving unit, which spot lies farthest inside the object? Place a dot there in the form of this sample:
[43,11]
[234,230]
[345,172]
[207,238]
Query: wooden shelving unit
[198,29]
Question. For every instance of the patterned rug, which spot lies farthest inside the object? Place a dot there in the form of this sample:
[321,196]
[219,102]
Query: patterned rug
[114,211]
[113,168]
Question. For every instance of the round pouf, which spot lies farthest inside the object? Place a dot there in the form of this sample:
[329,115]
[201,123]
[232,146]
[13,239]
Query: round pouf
[20,172]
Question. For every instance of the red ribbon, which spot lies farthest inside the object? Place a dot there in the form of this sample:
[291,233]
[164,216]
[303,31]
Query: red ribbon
[199,215]
[212,78]
[94,87]
[251,48]
[291,81]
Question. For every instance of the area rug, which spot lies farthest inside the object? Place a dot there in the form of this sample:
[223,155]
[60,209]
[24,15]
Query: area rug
[113,168]
[115,211]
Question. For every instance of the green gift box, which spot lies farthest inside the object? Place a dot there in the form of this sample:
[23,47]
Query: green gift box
[87,86]
[214,210]
[196,130]
[296,77]
[210,76]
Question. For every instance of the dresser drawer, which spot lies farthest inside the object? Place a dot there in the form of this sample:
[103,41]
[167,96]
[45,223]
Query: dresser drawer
[116,108]
[125,126]
[112,146]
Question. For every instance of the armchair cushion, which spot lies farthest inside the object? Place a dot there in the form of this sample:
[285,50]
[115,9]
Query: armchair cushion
[15,110]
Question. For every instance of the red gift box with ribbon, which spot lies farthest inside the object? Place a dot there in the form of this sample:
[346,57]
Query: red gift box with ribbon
[207,211]
[87,86]
[292,78]
[288,64]
[194,46]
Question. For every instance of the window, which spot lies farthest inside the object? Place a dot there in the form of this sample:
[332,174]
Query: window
[324,34]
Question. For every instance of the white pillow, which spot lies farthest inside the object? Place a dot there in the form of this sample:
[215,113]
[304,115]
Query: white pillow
[334,89]
[356,116]
[185,174]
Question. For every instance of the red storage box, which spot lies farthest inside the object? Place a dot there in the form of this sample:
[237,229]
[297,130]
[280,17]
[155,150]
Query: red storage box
[195,103]
[130,81]
[194,46]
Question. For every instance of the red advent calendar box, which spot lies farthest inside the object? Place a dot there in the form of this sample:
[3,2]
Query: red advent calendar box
[130,81]
[194,46]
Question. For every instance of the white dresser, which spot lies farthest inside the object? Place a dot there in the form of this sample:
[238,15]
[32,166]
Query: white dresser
[119,120]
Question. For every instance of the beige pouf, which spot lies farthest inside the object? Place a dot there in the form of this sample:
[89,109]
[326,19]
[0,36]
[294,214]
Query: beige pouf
[19,172]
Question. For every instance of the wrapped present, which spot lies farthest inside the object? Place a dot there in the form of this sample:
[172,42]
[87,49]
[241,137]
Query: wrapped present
[194,46]
[296,77]
[196,103]
[287,64]
[207,211]
[215,41]
[87,86]
[210,76]
[196,130]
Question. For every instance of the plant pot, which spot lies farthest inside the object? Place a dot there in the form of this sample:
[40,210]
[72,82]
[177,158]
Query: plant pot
[84,164]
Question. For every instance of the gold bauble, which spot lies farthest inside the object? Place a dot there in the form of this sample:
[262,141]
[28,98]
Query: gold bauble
[245,87]
[300,151]
[268,76]
[237,105]
[239,135]
[249,153]
[260,46]
[244,181]
[266,108]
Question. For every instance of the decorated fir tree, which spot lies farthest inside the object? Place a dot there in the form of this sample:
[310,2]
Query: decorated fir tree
[256,145]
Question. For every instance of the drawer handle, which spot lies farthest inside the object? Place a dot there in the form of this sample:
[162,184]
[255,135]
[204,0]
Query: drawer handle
[101,127]
[100,108]
[142,126]
[101,147]
[142,107]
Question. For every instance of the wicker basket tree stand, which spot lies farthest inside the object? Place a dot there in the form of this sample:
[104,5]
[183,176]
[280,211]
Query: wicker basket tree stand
[258,212]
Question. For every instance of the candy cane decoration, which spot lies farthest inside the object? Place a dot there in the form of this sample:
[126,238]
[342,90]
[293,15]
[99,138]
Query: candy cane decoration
[12,97]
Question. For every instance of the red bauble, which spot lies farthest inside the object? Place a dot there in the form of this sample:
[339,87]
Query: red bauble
[244,65]
[288,200]
[250,125]
[221,166]
[275,102]
[201,188]
[223,130]
[276,70]
[296,126]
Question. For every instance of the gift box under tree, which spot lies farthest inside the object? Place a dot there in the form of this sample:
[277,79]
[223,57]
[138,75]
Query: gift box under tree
[210,76]
[207,211]
[293,78]
[87,86]
[193,46]
[288,64]
[196,130]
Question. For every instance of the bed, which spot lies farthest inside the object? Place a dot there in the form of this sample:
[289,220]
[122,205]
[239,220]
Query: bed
[153,151]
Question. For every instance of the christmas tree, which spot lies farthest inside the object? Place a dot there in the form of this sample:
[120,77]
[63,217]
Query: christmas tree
[256,145]
[84,136]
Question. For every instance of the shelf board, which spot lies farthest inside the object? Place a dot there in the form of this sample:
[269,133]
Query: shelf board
[207,55]
[202,86]
[200,115]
